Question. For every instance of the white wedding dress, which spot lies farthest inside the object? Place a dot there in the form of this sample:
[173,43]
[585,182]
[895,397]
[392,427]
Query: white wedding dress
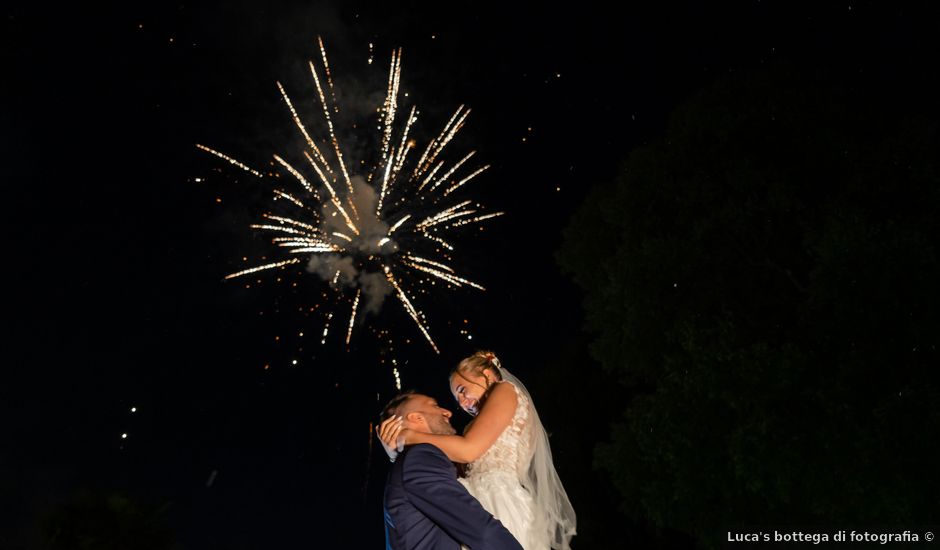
[496,478]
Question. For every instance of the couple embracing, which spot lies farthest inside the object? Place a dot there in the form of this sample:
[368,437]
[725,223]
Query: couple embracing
[509,496]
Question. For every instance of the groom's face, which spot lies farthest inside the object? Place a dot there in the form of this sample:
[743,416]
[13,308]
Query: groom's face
[425,415]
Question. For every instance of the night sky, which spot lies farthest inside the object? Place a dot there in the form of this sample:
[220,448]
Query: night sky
[133,368]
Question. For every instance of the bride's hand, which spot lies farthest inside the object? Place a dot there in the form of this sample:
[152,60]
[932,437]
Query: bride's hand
[388,433]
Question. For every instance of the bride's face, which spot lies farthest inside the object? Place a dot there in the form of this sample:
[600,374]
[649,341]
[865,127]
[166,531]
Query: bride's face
[468,388]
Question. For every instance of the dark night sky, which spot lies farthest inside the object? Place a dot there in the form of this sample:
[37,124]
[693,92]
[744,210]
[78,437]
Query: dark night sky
[118,253]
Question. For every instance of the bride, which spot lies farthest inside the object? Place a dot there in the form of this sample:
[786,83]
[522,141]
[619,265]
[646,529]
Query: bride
[505,448]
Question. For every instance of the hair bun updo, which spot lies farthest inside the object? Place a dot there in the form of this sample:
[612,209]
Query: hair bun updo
[491,358]
[479,362]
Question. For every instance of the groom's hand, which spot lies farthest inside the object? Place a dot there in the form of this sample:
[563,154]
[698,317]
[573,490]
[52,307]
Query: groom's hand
[388,433]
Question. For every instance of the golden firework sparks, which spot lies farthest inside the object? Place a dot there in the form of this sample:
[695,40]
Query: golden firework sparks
[409,308]
[279,228]
[453,279]
[398,224]
[293,171]
[384,191]
[326,328]
[448,137]
[437,239]
[333,197]
[230,159]
[352,316]
[297,121]
[406,145]
[429,262]
[284,195]
[443,215]
[291,221]
[406,254]
[424,162]
[466,179]
[478,219]
[329,124]
[451,171]
[263,267]
[329,77]
[430,176]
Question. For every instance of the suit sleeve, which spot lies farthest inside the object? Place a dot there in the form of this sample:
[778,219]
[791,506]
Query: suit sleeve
[430,481]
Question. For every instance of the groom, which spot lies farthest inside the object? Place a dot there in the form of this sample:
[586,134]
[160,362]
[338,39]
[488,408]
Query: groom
[426,508]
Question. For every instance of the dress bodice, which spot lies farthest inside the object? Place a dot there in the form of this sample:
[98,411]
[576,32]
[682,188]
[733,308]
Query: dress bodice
[512,451]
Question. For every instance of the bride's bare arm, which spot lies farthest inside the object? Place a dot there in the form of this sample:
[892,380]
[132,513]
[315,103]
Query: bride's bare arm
[494,416]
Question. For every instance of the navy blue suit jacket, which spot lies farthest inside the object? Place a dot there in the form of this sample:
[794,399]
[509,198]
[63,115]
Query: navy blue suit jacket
[426,508]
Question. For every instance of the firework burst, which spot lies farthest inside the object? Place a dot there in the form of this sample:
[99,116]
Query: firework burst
[386,231]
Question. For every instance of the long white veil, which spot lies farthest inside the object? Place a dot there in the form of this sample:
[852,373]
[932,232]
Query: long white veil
[553,512]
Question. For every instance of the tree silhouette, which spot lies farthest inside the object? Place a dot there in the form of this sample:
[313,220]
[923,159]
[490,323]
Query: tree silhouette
[95,520]
[763,279]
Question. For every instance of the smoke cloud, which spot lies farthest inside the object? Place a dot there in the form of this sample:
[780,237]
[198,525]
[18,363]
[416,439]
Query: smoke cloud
[365,245]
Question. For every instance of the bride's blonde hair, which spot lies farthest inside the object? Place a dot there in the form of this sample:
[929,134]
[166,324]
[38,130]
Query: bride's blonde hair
[478,363]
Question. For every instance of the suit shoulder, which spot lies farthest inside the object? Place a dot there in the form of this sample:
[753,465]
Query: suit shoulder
[425,450]
[424,455]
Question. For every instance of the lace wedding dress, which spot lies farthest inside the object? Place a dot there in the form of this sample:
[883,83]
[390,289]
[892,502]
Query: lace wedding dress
[505,479]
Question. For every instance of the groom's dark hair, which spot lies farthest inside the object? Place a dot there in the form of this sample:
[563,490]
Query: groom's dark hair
[391,409]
